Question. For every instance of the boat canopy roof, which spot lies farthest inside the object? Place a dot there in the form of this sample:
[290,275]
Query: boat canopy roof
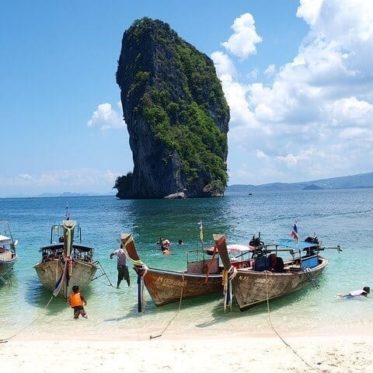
[297,245]
[238,248]
[233,249]
[59,246]
[5,239]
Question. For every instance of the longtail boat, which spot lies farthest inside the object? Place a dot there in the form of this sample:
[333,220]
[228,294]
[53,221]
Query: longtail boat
[8,254]
[65,263]
[202,276]
[269,276]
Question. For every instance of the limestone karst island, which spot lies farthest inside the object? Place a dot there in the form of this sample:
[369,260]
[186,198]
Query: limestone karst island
[176,115]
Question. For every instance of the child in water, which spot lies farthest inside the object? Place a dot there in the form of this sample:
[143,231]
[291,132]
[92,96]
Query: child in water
[77,301]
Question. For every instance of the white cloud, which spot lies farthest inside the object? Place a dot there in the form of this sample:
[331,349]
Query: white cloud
[224,65]
[106,117]
[349,110]
[25,177]
[253,74]
[352,133]
[261,155]
[309,10]
[243,42]
[315,119]
[235,92]
[270,70]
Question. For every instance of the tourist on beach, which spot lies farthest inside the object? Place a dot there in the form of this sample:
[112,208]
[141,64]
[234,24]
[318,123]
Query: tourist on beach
[77,301]
[121,265]
[357,293]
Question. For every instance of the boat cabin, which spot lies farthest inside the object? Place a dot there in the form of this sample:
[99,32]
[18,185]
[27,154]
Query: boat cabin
[206,262]
[7,247]
[301,255]
[79,252]
[57,233]
[199,263]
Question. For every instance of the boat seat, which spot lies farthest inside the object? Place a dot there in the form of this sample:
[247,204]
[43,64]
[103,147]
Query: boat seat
[275,263]
[294,268]
[279,266]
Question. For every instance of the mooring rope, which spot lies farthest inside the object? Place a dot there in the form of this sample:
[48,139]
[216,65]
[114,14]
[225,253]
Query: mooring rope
[278,334]
[173,318]
[5,340]
[311,278]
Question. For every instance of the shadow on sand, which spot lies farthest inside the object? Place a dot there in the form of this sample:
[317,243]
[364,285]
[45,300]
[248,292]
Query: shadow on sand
[39,297]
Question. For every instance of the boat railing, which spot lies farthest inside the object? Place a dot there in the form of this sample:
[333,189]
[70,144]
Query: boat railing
[5,229]
[196,255]
[82,253]
[55,251]
[305,257]
[293,251]
[57,233]
[198,261]
[244,255]
[51,252]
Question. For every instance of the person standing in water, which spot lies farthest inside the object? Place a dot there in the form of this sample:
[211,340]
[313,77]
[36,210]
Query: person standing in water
[121,265]
[165,246]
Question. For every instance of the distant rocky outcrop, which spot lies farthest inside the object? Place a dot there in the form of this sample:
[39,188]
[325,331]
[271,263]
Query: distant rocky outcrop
[312,187]
[176,114]
[359,181]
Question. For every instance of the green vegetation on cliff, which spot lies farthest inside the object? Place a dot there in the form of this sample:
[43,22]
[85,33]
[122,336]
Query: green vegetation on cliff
[173,87]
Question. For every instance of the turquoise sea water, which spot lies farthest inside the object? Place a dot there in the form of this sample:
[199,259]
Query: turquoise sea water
[342,217]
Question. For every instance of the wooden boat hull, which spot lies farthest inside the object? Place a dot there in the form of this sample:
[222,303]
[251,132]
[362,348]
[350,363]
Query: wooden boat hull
[49,273]
[171,286]
[6,264]
[252,287]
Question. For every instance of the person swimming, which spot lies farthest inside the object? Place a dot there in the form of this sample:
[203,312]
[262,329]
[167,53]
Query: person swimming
[165,245]
[357,293]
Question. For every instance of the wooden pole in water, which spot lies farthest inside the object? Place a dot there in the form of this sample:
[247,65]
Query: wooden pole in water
[140,305]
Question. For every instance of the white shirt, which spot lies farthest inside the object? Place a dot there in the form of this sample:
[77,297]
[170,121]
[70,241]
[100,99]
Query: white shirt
[121,255]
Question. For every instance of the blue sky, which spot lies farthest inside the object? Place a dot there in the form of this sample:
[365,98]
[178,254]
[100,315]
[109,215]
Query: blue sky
[297,76]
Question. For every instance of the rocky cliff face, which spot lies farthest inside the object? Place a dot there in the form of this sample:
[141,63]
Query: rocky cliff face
[176,115]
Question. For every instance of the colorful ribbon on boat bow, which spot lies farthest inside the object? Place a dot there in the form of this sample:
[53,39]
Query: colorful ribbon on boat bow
[228,276]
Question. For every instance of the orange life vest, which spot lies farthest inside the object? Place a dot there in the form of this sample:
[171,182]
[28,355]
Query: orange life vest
[75,300]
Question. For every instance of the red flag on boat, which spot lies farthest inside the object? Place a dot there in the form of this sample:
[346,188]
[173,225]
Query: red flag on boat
[294,232]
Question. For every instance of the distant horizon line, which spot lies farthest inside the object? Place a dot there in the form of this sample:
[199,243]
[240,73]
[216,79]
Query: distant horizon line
[98,194]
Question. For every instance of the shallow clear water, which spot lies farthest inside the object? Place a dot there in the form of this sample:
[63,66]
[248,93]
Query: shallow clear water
[342,217]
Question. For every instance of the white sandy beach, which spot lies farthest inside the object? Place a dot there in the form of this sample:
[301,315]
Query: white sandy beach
[191,353]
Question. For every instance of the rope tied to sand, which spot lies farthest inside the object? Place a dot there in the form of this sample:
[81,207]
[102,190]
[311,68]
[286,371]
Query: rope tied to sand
[177,312]
[5,340]
[278,334]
